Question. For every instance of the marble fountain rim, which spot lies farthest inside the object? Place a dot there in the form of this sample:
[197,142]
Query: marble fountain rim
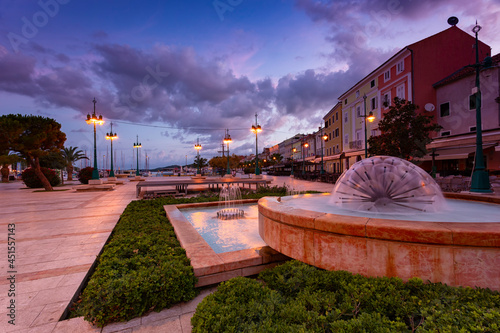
[445,233]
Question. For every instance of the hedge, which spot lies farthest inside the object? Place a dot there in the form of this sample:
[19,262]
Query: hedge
[31,180]
[295,297]
[141,269]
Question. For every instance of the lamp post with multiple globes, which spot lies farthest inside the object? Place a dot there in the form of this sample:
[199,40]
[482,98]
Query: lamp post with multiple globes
[111,136]
[137,145]
[95,120]
[197,146]
[227,140]
[256,129]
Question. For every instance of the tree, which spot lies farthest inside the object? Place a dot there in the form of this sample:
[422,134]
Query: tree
[405,133]
[54,160]
[202,162]
[7,159]
[32,137]
[71,155]
[276,158]
[219,162]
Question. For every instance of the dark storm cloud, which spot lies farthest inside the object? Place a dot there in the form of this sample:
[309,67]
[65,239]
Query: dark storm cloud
[179,87]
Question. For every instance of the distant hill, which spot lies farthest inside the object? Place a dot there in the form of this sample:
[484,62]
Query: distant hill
[170,167]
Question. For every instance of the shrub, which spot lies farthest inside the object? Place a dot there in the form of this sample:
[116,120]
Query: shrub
[142,268]
[295,297]
[85,174]
[31,180]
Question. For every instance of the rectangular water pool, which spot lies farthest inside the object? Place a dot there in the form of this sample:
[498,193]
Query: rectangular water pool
[226,235]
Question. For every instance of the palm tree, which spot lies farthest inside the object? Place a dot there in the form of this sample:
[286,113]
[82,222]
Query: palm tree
[71,155]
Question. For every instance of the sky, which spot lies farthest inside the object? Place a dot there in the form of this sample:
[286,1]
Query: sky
[173,72]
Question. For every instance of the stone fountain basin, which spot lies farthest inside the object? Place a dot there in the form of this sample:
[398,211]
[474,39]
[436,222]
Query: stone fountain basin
[458,254]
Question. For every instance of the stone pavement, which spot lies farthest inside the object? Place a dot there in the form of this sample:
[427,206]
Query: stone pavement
[57,236]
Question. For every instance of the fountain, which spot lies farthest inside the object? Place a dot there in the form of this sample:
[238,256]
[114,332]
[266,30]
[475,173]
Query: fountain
[387,184]
[230,199]
[387,217]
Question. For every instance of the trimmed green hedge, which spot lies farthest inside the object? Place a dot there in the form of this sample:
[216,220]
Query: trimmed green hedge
[295,297]
[142,268]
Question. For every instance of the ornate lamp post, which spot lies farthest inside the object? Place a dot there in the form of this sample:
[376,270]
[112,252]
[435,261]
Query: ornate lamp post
[111,136]
[480,181]
[324,137]
[95,120]
[293,153]
[137,145]
[227,140]
[370,117]
[197,146]
[304,146]
[256,129]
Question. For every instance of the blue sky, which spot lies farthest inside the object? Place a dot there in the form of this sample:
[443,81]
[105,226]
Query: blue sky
[175,71]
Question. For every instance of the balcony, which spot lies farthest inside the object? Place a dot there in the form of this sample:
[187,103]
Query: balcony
[356,144]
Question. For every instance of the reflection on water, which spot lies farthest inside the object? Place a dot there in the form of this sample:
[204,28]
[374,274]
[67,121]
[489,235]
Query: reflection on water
[226,235]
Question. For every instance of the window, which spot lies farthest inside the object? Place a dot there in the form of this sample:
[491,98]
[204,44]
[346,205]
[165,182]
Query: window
[329,121]
[330,136]
[387,75]
[333,134]
[346,117]
[400,91]
[345,101]
[337,132]
[472,102]
[358,111]
[337,116]
[346,139]
[373,133]
[326,124]
[374,103]
[387,99]
[472,129]
[445,133]
[337,149]
[400,67]
[372,83]
[357,94]
[444,110]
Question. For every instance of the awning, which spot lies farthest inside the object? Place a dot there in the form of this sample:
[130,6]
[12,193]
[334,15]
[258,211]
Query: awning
[452,153]
[355,153]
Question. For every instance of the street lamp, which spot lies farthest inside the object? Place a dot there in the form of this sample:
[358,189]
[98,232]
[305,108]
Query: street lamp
[370,117]
[111,136]
[137,145]
[95,120]
[293,153]
[256,129]
[227,140]
[324,137]
[197,146]
[305,145]
[480,181]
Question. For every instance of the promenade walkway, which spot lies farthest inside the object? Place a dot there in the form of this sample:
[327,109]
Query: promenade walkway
[57,236]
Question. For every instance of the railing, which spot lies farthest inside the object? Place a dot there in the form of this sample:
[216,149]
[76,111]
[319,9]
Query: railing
[355,144]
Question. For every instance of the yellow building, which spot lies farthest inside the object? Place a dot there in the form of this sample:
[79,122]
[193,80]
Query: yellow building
[357,103]
[332,158]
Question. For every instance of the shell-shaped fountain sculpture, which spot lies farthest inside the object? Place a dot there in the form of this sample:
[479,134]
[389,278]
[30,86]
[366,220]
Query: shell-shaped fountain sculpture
[386,184]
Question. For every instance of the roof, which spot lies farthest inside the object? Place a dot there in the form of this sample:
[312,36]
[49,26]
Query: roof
[463,72]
